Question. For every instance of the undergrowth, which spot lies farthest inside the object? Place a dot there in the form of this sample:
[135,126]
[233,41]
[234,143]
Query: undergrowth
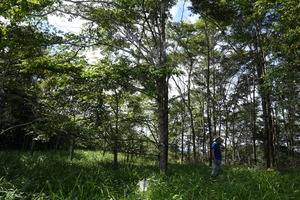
[47,175]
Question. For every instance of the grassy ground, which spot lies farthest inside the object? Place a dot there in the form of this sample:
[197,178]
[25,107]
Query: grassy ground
[46,175]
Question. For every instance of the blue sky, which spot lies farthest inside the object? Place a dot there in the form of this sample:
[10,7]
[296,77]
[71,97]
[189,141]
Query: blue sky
[180,11]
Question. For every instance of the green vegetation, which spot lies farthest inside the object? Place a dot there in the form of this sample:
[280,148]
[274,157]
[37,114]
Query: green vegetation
[47,175]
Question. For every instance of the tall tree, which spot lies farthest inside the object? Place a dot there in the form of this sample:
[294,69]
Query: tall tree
[135,28]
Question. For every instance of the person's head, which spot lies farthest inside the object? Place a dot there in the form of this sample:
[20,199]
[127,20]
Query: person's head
[217,139]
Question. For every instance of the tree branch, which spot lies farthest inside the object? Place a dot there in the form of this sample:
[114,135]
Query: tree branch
[25,124]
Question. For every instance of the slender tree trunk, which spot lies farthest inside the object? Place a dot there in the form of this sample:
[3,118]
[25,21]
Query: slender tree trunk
[226,134]
[72,149]
[214,98]
[188,148]
[116,132]
[57,142]
[220,118]
[274,131]
[254,122]
[193,135]
[163,99]
[291,122]
[285,130]
[208,93]
[104,147]
[266,128]
[25,142]
[233,139]
[191,112]
[271,145]
[182,111]
[162,102]
[204,135]
[33,140]
[32,144]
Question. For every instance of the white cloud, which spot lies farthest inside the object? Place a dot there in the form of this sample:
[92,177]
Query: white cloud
[193,18]
[73,26]
[174,10]
[179,10]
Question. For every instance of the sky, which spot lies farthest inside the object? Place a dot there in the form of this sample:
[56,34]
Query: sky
[179,11]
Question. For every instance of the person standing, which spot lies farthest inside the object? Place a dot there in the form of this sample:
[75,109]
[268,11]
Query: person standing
[217,156]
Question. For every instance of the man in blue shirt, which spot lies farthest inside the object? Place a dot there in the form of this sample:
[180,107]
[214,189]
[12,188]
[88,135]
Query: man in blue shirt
[217,156]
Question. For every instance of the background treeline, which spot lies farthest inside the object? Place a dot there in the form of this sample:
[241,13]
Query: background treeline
[158,87]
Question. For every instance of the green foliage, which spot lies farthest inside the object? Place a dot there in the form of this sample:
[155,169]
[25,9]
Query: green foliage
[47,175]
[19,9]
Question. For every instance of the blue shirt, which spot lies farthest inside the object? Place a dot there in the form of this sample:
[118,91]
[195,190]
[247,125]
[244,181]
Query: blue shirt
[217,149]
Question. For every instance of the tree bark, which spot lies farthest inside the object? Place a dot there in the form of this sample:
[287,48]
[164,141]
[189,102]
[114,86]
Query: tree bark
[162,102]
[182,111]
[163,98]
[208,92]
[271,145]
[263,93]
[72,149]
[191,114]
[204,135]
[116,132]
[226,134]
[254,122]
[57,142]
[233,139]
[32,144]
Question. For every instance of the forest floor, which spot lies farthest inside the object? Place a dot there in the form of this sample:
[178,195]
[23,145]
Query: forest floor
[47,175]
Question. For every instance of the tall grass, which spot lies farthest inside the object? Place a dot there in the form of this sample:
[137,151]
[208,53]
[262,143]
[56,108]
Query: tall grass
[47,175]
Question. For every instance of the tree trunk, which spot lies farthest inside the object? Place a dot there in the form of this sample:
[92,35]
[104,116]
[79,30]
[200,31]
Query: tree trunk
[72,149]
[226,134]
[116,132]
[291,122]
[271,145]
[274,131]
[189,148]
[182,111]
[191,111]
[162,102]
[204,135]
[163,98]
[25,142]
[33,140]
[32,144]
[263,93]
[214,98]
[104,147]
[57,142]
[233,139]
[254,122]
[208,93]
[284,123]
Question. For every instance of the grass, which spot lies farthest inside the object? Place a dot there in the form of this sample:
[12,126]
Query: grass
[47,175]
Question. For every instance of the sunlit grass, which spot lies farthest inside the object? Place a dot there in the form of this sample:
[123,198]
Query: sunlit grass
[89,175]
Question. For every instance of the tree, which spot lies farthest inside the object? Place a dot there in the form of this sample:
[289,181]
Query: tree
[22,43]
[135,28]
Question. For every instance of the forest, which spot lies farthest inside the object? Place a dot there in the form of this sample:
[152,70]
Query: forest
[156,88]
